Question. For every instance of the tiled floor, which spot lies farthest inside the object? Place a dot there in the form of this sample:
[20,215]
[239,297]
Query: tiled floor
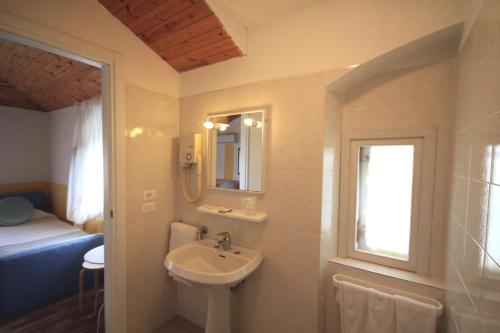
[179,325]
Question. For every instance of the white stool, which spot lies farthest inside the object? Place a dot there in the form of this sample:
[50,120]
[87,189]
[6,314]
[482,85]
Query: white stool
[93,262]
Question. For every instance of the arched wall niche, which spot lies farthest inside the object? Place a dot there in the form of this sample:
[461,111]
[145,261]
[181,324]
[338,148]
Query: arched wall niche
[408,87]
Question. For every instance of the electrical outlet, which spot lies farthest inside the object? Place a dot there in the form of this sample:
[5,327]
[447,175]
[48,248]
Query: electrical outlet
[149,207]
[149,195]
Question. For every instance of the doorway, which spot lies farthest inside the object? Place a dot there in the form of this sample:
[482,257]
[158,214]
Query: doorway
[112,122]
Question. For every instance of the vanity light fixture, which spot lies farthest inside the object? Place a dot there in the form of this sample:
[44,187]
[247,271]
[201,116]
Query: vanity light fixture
[252,123]
[219,126]
[249,122]
[208,124]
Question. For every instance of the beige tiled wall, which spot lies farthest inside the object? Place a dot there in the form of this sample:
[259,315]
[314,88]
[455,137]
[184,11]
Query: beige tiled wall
[412,98]
[473,262]
[152,127]
[284,294]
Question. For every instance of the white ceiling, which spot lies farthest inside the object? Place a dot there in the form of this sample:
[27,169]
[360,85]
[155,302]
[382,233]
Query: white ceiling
[263,12]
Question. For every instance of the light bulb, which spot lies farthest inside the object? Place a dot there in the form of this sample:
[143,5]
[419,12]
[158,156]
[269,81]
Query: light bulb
[208,124]
[222,127]
[248,121]
[259,124]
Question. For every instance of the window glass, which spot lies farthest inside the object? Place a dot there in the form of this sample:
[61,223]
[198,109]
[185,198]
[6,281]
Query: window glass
[384,200]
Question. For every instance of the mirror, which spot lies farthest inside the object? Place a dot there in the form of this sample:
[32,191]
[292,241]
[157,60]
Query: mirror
[236,150]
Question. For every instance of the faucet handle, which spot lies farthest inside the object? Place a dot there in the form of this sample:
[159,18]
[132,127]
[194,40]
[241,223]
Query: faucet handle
[226,240]
[224,234]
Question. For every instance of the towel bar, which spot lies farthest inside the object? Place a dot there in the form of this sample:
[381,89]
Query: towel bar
[427,300]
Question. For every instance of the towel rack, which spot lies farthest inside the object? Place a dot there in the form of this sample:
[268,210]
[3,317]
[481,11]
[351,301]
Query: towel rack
[427,300]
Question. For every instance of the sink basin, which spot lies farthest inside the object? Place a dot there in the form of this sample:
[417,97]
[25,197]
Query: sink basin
[201,263]
[217,270]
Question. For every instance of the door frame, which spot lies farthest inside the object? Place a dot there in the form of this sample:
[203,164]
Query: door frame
[113,98]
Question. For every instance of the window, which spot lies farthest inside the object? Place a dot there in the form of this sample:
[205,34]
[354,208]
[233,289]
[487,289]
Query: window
[385,183]
[384,218]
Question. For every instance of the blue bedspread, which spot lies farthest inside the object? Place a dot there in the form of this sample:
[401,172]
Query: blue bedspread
[36,277]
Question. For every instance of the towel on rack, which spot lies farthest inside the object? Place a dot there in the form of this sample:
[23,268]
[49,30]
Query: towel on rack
[414,317]
[181,233]
[365,310]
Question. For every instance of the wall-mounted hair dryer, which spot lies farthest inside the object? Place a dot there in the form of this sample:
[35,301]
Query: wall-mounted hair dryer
[189,156]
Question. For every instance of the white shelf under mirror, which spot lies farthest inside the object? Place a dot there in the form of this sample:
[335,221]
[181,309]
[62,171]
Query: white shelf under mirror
[233,213]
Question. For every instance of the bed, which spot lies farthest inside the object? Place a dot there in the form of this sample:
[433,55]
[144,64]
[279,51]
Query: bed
[40,260]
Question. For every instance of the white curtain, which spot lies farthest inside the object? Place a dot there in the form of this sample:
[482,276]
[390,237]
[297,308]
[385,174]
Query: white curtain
[86,184]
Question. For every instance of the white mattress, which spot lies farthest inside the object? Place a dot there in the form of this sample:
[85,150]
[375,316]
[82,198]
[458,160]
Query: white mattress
[43,226]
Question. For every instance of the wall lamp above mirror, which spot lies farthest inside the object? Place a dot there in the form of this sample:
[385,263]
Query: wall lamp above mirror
[235,152]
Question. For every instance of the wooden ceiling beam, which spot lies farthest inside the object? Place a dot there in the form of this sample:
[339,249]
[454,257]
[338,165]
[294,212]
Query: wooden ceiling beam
[199,10]
[157,16]
[45,81]
[174,29]
[195,43]
[9,96]
[207,55]
[185,35]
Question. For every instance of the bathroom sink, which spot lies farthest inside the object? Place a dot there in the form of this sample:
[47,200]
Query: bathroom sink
[200,262]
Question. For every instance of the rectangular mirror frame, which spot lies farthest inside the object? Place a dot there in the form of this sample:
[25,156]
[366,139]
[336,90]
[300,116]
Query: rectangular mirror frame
[265,111]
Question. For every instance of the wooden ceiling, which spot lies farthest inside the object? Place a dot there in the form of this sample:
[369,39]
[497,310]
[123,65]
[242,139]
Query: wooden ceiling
[185,33]
[34,79]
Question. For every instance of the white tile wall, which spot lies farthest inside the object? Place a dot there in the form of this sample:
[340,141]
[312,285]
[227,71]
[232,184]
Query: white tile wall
[150,165]
[284,295]
[473,271]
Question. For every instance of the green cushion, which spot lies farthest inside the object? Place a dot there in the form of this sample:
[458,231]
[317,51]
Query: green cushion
[15,210]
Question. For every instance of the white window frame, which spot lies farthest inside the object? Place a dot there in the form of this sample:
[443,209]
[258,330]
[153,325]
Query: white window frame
[424,141]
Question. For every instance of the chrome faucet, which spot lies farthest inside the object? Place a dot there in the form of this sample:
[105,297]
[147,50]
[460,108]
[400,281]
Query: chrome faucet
[225,242]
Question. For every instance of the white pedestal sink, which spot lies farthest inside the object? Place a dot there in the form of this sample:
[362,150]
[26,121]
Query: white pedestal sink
[200,263]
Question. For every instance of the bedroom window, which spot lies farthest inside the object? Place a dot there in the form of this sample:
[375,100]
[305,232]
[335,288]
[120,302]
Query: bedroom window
[85,183]
[385,216]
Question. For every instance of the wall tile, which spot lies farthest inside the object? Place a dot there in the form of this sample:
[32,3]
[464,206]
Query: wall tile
[493,224]
[477,211]
[295,184]
[459,193]
[475,305]
[295,215]
[297,153]
[488,76]
[283,295]
[456,244]
[461,154]
[152,124]
[291,245]
[481,152]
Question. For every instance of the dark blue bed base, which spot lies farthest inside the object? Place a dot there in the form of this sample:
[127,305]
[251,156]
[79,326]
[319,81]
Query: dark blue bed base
[34,278]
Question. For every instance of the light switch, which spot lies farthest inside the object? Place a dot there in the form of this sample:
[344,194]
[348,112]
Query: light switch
[149,207]
[149,195]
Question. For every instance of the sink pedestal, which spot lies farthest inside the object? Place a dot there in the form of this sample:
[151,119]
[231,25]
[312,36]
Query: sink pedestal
[219,310]
[201,263]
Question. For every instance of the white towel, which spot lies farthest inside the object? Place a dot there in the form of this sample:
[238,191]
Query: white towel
[365,310]
[381,312]
[414,317]
[181,233]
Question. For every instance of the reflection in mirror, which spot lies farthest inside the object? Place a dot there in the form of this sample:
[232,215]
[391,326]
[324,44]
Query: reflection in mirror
[235,150]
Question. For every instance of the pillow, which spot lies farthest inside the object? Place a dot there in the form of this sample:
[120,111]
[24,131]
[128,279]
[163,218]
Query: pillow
[15,210]
[38,214]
